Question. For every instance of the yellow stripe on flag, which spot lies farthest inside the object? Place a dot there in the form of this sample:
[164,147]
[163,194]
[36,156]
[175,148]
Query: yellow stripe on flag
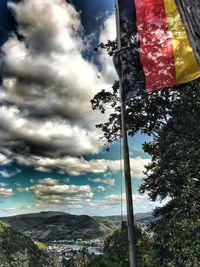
[186,66]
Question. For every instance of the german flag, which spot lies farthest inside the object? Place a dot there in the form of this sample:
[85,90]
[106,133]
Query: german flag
[155,52]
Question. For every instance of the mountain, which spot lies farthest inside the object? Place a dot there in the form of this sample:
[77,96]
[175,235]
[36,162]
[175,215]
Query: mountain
[49,226]
[12,242]
[116,220]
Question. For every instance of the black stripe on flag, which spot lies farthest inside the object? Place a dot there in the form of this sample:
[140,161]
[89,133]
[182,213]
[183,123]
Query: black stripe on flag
[128,59]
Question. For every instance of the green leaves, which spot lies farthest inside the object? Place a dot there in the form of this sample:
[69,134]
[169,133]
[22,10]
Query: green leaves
[172,118]
[20,258]
[54,261]
[110,47]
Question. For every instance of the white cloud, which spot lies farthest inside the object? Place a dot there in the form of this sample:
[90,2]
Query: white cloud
[48,181]
[4,160]
[82,203]
[107,181]
[66,180]
[62,194]
[111,204]
[7,174]
[46,85]
[72,165]
[23,189]
[100,189]
[51,137]
[77,166]
[138,166]
[3,184]
[6,192]
[116,198]
[108,32]
[42,169]
[95,180]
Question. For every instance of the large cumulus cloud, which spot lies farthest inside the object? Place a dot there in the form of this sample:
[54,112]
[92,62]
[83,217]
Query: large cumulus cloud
[47,83]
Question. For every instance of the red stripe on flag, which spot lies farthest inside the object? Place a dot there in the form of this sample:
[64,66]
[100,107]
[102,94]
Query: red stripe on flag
[156,50]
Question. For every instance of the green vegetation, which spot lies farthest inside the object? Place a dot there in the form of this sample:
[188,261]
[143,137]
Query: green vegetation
[116,249]
[4,225]
[16,248]
[41,246]
[43,226]
[53,261]
[81,259]
[116,252]
[171,118]
[21,259]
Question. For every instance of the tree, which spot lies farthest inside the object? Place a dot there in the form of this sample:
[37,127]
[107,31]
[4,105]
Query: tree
[4,264]
[21,259]
[116,250]
[174,173]
[172,118]
[54,261]
[80,259]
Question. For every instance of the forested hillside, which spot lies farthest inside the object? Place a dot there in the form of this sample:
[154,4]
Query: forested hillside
[49,226]
[16,246]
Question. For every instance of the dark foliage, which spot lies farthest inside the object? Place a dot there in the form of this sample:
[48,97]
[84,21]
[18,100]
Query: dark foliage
[172,118]
[13,242]
[116,253]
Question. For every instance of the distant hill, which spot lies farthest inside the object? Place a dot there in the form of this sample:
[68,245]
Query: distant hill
[12,241]
[49,226]
[113,222]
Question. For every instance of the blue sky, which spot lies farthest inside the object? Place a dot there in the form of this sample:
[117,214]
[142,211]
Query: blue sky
[50,154]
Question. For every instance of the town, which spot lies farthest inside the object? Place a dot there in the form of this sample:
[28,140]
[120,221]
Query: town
[65,249]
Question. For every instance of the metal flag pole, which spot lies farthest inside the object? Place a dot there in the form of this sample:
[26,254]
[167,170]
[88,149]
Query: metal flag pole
[128,186]
[127,172]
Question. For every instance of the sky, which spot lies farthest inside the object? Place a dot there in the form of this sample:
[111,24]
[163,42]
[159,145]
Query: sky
[51,157]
